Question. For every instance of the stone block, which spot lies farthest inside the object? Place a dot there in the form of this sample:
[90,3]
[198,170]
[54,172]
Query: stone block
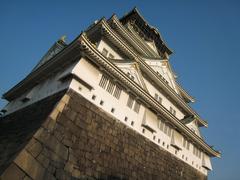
[65,98]
[54,114]
[31,167]
[35,149]
[76,173]
[43,160]
[13,172]
[27,178]
[52,143]
[69,166]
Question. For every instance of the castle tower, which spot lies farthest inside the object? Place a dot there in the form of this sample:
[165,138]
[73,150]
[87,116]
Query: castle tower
[105,106]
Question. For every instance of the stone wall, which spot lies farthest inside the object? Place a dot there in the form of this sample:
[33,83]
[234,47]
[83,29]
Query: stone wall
[79,141]
[18,128]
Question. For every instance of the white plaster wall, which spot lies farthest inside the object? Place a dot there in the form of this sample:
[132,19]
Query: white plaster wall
[46,88]
[194,127]
[102,44]
[165,102]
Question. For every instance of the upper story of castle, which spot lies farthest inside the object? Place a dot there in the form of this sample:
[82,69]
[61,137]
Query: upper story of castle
[122,66]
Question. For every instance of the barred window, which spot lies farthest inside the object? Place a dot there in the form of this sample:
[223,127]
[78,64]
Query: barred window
[160,100]
[194,150]
[117,92]
[184,142]
[165,129]
[130,101]
[110,87]
[136,107]
[188,145]
[159,123]
[103,82]
[104,52]
[173,111]
[169,131]
[111,56]
[162,126]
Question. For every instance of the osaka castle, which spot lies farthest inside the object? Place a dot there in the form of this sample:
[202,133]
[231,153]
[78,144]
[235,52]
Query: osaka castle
[105,106]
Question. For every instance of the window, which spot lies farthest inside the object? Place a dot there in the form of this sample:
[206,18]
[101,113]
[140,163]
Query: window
[101,102]
[126,118]
[154,137]
[162,126]
[143,131]
[158,98]
[166,129]
[112,110]
[93,97]
[111,56]
[104,52]
[188,144]
[173,111]
[110,87]
[169,131]
[129,75]
[158,141]
[117,92]
[136,107]
[103,82]
[132,123]
[184,142]
[130,101]
[159,123]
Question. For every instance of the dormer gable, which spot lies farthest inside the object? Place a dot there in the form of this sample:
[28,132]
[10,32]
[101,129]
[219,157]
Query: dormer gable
[152,45]
[163,69]
[132,70]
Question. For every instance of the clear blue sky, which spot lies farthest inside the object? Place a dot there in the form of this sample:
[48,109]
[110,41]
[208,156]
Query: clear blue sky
[203,34]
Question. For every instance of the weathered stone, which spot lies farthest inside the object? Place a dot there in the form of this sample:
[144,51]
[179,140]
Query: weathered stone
[83,142]
[76,173]
[69,166]
[30,165]
[35,149]
[60,106]
[54,114]
[43,160]
[65,98]
[12,173]
[52,143]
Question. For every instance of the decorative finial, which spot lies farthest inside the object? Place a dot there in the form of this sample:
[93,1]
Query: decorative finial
[63,38]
